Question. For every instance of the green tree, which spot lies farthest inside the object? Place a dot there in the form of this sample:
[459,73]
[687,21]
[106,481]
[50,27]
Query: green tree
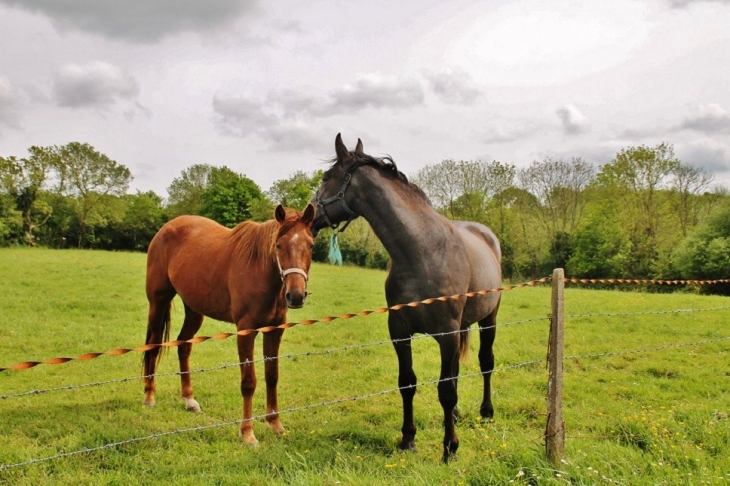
[24,180]
[11,223]
[464,189]
[229,197]
[705,254]
[687,186]
[601,247]
[296,191]
[89,176]
[185,193]
[559,203]
[640,178]
[143,217]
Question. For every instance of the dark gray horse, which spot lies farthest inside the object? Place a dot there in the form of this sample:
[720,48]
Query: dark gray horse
[430,257]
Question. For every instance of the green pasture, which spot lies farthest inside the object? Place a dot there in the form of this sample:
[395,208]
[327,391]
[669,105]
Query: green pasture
[651,417]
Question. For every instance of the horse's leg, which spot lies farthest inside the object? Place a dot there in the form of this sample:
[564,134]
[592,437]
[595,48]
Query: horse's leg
[272,340]
[407,384]
[191,326]
[248,386]
[449,345]
[158,327]
[487,333]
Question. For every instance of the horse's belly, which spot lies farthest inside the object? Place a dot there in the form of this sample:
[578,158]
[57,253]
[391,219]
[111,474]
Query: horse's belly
[204,298]
[479,307]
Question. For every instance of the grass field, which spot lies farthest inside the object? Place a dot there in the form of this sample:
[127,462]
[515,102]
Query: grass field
[653,417]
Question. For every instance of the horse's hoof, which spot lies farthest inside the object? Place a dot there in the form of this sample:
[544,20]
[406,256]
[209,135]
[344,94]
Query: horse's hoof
[149,404]
[409,445]
[450,451]
[248,439]
[276,427]
[192,405]
[448,456]
[487,412]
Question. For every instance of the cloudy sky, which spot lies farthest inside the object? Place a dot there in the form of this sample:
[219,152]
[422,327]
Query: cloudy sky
[264,87]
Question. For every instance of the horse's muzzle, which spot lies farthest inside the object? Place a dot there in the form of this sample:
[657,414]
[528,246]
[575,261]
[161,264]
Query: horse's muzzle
[295,300]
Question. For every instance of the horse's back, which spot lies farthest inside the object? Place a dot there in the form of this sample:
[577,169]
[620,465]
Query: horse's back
[187,234]
[182,246]
[484,254]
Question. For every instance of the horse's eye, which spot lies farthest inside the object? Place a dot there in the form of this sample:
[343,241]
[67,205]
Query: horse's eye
[278,246]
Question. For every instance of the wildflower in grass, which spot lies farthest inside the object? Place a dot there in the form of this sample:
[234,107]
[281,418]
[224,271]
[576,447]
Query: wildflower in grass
[390,466]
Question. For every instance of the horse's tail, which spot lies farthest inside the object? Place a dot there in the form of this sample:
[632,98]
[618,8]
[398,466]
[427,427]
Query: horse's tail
[164,331]
[464,344]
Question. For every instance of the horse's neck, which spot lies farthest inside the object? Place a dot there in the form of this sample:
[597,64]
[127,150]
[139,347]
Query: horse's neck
[405,229]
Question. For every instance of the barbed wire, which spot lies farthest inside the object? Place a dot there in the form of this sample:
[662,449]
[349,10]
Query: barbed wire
[259,360]
[198,428]
[646,350]
[199,339]
[245,332]
[343,400]
[623,314]
[343,348]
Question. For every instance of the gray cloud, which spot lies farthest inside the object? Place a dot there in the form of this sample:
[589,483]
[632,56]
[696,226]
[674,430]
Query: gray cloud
[708,119]
[708,154]
[283,117]
[294,103]
[504,133]
[453,86]
[9,105]
[98,84]
[137,20]
[574,122]
[293,138]
[376,91]
[634,134]
[241,116]
[687,3]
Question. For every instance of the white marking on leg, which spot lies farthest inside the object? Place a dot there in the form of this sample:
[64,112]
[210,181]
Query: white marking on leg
[191,404]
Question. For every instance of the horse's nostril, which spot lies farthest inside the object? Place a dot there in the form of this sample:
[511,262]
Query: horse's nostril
[288,296]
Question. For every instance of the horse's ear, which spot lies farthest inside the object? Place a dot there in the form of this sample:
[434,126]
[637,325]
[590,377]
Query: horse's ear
[340,149]
[358,147]
[308,214]
[280,213]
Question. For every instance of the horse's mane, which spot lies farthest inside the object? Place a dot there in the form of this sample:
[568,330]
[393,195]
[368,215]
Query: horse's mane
[255,243]
[389,169]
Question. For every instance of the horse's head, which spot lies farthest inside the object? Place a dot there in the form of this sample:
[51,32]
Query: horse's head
[294,252]
[333,201]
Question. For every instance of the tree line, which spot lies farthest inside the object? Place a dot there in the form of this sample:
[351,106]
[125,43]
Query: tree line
[644,214]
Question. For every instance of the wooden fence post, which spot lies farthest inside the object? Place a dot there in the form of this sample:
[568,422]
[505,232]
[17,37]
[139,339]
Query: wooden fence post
[555,429]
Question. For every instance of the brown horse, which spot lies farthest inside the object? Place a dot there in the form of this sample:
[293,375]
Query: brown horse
[247,275]
[430,256]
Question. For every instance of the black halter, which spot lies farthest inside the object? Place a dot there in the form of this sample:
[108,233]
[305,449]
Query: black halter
[340,196]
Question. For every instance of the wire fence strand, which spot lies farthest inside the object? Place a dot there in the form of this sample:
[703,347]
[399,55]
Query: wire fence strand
[120,351]
[198,428]
[225,335]
[342,400]
[343,348]
[259,360]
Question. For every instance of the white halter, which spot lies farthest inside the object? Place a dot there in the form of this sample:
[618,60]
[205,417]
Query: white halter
[288,271]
